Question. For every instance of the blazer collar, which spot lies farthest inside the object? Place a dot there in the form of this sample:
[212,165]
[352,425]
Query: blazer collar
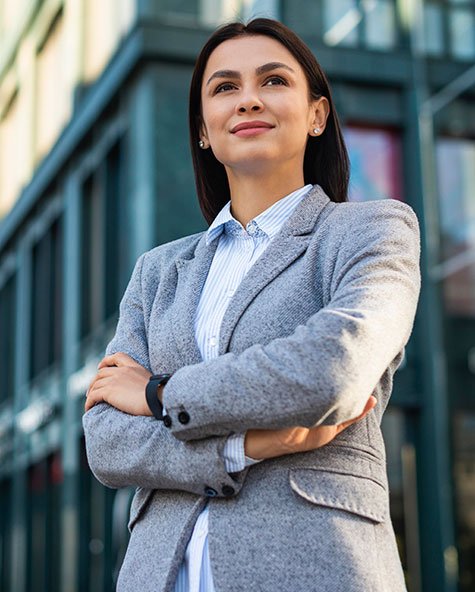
[287,245]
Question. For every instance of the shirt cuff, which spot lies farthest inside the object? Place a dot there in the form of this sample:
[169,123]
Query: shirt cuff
[235,459]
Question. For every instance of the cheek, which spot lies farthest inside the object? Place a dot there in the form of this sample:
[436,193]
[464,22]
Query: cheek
[215,119]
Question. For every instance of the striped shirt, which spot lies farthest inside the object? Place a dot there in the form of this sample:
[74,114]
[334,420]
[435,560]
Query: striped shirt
[237,250]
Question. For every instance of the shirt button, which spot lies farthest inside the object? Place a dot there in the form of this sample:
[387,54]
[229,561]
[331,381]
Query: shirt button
[212,341]
[210,492]
[252,227]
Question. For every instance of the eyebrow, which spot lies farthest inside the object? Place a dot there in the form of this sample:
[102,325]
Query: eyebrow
[259,70]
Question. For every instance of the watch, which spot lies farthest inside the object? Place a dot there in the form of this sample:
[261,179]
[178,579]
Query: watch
[151,394]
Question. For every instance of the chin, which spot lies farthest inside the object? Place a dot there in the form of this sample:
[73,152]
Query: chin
[253,159]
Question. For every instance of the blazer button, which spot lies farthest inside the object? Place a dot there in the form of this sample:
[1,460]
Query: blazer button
[210,492]
[167,421]
[227,490]
[183,417]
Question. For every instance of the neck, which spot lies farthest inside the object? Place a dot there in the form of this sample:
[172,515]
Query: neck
[252,194]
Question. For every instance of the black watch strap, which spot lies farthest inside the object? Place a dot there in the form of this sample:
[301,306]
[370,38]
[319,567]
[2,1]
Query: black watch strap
[151,394]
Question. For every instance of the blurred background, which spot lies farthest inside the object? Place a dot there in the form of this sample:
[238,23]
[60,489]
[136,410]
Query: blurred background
[95,169]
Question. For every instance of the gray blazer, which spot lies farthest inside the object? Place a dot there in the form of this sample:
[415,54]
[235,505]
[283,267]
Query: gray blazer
[318,324]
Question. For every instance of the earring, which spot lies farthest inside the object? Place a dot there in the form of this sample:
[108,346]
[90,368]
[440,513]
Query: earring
[201,144]
[316,130]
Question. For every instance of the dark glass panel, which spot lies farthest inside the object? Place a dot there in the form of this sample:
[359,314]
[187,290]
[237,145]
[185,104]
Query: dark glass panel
[92,254]
[46,300]
[116,241]
[104,245]
[464,478]
[5,535]
[40,305]
[98,555]
[398,432]
[36,528]
[7,339]
[53,523]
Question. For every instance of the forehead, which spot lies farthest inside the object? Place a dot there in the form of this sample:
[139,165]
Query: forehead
[247,53]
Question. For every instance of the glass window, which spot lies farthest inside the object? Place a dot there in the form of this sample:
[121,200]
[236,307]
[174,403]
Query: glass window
[462,33]
[36,527]
[98,559]
[46,305]
[259,8]
[380,24]
[340,20]
[434,29]
[53,522]
[104,246]
[456,179]
[464,477]
[375,156]
[5,534]
[7,339]
[214,12]
[44,525]
[398,431]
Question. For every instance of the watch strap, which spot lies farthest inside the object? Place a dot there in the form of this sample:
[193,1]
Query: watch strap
[151,394]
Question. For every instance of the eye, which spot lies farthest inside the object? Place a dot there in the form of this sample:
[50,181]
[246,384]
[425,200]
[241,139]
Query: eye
[275,80]
[224,87]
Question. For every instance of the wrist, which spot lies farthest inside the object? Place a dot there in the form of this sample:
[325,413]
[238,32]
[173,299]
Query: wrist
[154,394]
[259,444]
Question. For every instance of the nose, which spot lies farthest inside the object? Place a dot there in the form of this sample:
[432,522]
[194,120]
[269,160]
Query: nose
[249,101]
[245,108]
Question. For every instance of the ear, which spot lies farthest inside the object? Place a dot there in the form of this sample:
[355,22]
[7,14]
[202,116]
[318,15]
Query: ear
[204,136]
[319,112]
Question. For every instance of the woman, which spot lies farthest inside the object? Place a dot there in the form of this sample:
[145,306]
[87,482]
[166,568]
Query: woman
[281,327]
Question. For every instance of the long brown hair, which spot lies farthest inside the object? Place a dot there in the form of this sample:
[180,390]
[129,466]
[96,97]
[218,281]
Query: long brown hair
[326,159]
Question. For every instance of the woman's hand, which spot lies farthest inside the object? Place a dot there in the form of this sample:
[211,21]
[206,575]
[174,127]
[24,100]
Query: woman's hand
[261,444]
[120,382]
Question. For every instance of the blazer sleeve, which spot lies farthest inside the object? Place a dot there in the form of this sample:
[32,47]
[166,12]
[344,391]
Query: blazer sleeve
[127,450]
[325,371]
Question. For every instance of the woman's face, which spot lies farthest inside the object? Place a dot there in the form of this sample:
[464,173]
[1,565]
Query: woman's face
[256,107]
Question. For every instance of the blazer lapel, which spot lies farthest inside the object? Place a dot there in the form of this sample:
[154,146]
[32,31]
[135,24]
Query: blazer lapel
[192,274]
[292,240]
[287,245]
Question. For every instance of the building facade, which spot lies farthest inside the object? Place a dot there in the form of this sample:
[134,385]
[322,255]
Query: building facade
[95,169]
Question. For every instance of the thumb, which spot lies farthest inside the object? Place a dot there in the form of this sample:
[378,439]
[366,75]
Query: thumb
[370,404]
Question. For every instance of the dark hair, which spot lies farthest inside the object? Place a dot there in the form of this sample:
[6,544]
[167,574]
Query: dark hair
[326,158]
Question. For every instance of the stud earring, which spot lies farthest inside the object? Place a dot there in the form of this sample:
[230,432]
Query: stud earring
[316,130]
[201,144]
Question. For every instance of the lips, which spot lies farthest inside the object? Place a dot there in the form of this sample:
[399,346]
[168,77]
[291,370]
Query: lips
[251,125]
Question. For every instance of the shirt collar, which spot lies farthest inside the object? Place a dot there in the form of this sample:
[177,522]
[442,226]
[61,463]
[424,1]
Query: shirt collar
[268,222]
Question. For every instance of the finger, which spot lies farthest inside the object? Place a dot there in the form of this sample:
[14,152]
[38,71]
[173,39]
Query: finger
[117,359]
[370,404]
[107,371]
[95,395]
[94,380]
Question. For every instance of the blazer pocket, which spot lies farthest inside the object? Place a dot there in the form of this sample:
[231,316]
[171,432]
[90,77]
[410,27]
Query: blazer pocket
[139,503]
[349,492]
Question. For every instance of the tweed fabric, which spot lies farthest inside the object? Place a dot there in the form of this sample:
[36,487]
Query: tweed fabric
[319,324]
[237,251]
